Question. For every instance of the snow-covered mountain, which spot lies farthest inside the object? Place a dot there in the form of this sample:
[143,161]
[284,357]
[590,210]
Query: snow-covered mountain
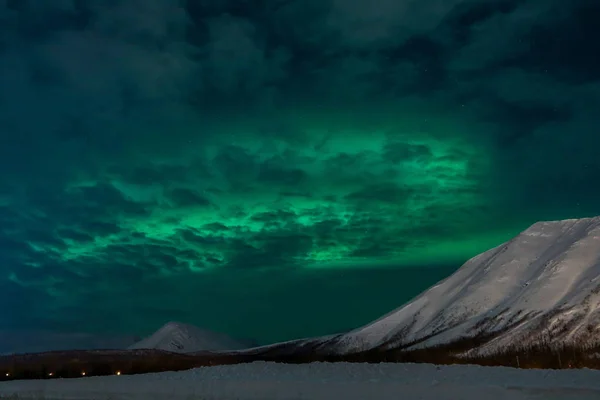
[542,285]
[183,338]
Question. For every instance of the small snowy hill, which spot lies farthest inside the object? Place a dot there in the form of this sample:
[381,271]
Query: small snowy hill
[183,338]
[542,285]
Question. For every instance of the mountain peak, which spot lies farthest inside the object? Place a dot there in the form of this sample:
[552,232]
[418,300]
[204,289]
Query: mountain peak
[179,337]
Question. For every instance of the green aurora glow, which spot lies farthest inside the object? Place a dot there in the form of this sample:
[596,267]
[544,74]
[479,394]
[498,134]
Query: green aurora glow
[387,182]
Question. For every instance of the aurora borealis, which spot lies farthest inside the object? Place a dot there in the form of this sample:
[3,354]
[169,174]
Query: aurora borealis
[279,168]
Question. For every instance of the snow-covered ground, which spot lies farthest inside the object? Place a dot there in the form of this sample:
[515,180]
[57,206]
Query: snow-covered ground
[266,381]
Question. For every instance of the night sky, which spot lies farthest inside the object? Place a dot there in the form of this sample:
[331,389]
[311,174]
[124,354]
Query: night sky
[276,169]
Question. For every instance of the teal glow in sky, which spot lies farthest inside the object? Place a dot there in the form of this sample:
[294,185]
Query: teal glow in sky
[279,169]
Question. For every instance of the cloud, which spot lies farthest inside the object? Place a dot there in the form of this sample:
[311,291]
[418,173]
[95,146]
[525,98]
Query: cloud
[237,61]
[360,24]
[182,197]
[157,147]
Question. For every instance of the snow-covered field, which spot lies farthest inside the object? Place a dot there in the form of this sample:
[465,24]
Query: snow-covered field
[343,381]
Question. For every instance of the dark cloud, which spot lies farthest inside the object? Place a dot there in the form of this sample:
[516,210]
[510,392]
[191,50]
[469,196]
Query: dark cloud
[570,55]
[385,193]
[519,119]
[184,197]
[153,173]
[400,151]
[75,235]
[278,217]
[14,249]
[271,251]
[236,164]
[96,209]
[275,173]
[422,59]
[215,227]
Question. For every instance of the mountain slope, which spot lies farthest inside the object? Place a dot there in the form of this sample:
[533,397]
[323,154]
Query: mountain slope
[542,285]
[183,338]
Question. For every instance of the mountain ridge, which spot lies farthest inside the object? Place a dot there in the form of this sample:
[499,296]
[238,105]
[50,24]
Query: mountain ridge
[550,270]
[542,286]
[179,337]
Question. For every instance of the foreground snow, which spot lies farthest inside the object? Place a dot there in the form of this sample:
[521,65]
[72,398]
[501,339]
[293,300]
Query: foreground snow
[265,381]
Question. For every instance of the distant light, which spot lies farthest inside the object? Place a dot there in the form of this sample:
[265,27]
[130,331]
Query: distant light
[118,372]
[83,373]
[7,374]
[50,373]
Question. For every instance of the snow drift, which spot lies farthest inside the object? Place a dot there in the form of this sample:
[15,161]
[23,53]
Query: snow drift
[183,338]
